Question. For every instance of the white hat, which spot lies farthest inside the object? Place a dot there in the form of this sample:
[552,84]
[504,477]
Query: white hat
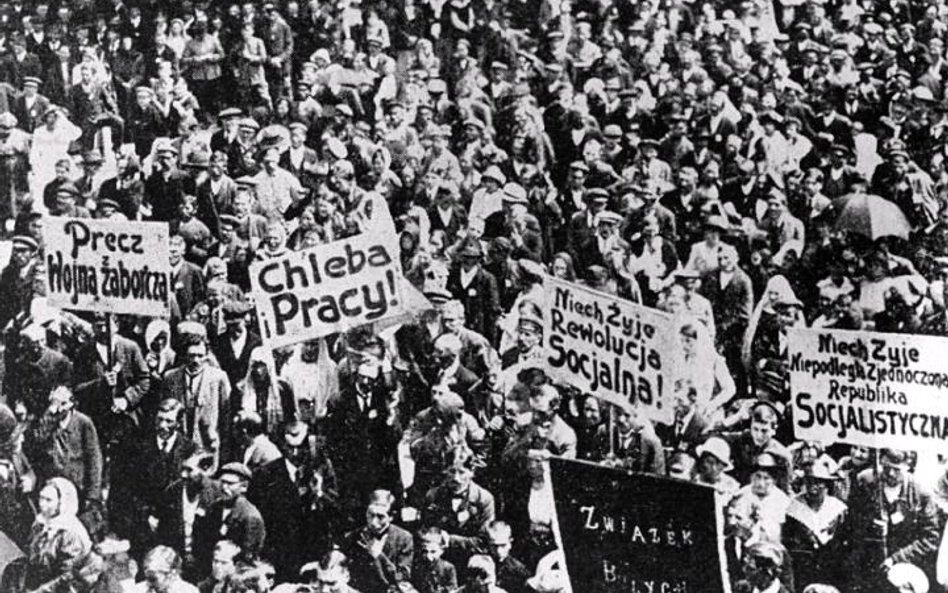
[718,448]
[908,577]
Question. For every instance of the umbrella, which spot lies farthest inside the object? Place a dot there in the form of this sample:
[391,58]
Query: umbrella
[870,216]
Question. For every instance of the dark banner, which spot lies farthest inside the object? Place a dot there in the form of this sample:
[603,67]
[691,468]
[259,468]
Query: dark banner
[624,532]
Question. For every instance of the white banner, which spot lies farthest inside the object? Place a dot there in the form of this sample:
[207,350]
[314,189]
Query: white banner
[327,289]
[604,345]
[108,266]
[869,389]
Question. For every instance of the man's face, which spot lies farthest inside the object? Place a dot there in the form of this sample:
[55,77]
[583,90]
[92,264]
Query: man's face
[762,483]
[222,565]
[335,580]
[232,486]
[628,420]
[21,255]
[499,546]
[528,338]
[893,474]
[431,551]
[727,261]
[761,432]
[378,517]
[459,478]
[242,205]
[175,251]
[160,578]
[166,422]
[196,356]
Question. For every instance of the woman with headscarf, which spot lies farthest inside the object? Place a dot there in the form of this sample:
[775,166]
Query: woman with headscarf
[51,144]
[159,355]
[562,267]
[383,179]
[274,244]
[763,319]
[58,540]
[702,368]
[264,393]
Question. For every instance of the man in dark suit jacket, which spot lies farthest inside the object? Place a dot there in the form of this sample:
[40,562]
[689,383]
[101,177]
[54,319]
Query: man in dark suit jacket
[731,294]
[30,107]
[215,194]
[35,371]
[380,553]
[299,159]
[276,490]
[232,348]
[20,63]
[460,507]
[144,469]
[446,214]
[187,280]
[689,428]
[110,385]
[169,523]
[22,279]
[231,517]
[476,288]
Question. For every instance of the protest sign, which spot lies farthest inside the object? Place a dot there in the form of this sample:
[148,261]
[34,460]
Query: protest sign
[108,266]
[869,389]
[604,345]
[327,289]
[627,532]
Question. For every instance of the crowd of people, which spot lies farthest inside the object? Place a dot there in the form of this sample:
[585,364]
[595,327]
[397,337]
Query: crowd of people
[745,166]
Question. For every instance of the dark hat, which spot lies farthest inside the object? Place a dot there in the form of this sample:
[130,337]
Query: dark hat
[840,148]
[649,143]
[229,220]
[895,457]
[764,403]
[108,202]
[687,274]
[771,116]
[68,189]
[197,159]
[437,295]
[25,241]
[471,248]
[246,181]
[31,80]
[501,244]
[596,193]
[92,157]
[235,469]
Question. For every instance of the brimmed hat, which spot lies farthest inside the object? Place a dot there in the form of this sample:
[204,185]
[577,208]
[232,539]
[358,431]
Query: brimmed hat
[25,241]
[494,172]
[767,462]
[249,123]
[717,448]
[471,248]
[608,217]
[235,309]
[7,120]
[235,469]
[197,159]
[821,470]
[595,194]
[515,194]
[34,80]
[229,112]
[904,576]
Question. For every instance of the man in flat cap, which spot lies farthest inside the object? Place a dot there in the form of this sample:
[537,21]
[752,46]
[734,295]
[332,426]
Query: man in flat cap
[30,106]
[232,517]
[891,519]
[474,286]
[22,279]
